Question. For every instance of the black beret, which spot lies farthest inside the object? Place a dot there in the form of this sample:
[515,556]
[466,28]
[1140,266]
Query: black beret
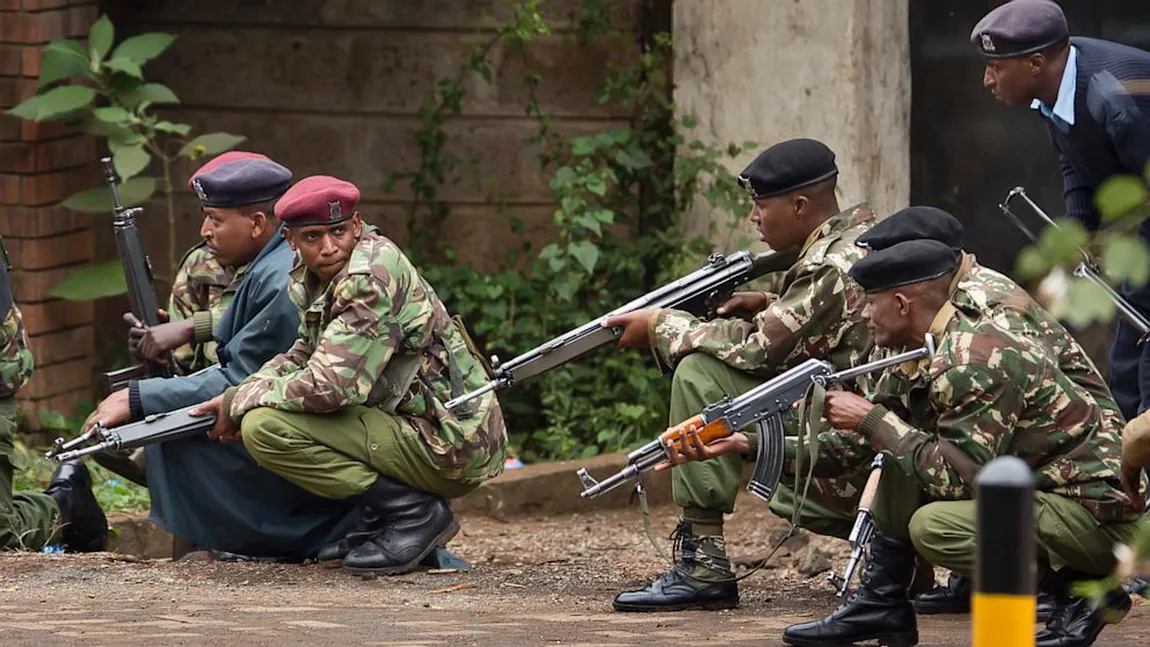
[242,182]
[1020,27]
[914,223]
[788,166]
[904,263]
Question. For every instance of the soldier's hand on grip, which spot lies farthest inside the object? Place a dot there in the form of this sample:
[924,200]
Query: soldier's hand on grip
[845,410]
[636,328]
[225,430]
[692,448]
[742,304]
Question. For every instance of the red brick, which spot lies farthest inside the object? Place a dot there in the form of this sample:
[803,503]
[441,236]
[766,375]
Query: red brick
[39,131]
[9,189]
[35,286]
[10,59]
[50,188]
[55,379]
[17,157]
[63,345]
[65,153]
[48,317]
[17,28]
[42,5]
[10,128]
[39,222]
[56,251]
[68,404]
[31,60]
[9,5]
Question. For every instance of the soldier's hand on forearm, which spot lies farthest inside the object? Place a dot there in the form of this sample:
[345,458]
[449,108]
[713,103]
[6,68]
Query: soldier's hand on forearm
[1132,484]
[750,303]
[692,448]
[845,410]
[636,328]
[112,411]
[157,340]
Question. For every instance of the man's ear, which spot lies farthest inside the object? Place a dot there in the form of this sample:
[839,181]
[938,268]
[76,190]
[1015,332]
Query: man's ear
[801,203]
[1037,63]
[289,236]
[356,226]
[903,303]
[259,223]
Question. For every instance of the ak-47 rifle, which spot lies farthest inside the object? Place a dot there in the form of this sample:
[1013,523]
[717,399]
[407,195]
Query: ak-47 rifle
[154,429]
[863,529]
[764,405]
[137,275]
[698,293]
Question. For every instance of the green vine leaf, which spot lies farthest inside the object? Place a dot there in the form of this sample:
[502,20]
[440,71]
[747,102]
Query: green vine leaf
[1119,195]
[144,47]
[130,160]
[26,109]
[63,59]
[1031,263]
[1126,258]
[57,102]
[1086,303]
[586,253]
[210,144]
[136,97]
[100,38]
[169,127]
[1061,243]
[126,66]
[92,281]
[133,192]
[112,115]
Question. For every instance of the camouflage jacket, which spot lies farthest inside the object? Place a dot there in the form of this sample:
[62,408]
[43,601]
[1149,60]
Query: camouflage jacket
[980,291]
[817,312]
[201,285]
[377,307]
[989,392]
[16,361]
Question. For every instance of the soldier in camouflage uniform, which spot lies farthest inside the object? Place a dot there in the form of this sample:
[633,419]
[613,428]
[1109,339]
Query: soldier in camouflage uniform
[980,291]
[988,391]
[817,313]
[354,410]
[67,511]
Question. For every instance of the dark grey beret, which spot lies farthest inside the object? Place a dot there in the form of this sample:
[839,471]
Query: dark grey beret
[1020,27]
[914,223]
[242,182]
[909,262]
[787,166]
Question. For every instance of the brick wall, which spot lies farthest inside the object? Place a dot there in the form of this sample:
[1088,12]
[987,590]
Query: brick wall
[40,164]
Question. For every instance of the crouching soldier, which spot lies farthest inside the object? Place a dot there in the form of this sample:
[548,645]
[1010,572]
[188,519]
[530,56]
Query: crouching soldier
[355,409]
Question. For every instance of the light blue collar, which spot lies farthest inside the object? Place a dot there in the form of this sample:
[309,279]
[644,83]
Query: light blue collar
[1064,105]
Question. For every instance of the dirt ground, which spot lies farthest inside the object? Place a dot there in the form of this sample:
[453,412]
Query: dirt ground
[534,581]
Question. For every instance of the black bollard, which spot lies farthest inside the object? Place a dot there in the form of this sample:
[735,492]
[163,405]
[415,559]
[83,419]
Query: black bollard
[1003,605]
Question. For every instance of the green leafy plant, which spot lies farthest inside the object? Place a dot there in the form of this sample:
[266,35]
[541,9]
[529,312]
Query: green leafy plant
[101,90]
[619,195]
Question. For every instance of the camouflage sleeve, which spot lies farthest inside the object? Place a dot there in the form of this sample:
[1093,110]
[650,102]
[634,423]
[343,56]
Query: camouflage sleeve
[181,300]
[16,361]
[980,406]
[289,361]
[796,319]
[349,356]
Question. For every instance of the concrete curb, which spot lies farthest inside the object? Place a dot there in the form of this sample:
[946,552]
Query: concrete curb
[546,488]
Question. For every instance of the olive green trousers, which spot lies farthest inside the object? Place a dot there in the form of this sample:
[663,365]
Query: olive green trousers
[339,455]
[707,489]
[27,519]
[945,532]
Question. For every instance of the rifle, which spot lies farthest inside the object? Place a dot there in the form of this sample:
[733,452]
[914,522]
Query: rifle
[1085,269]
[863,529]
[698,293]
[139,278]
[156,428]
[764,405]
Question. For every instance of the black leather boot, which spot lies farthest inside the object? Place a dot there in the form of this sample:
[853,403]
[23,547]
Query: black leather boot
[877,610]
[1077,621]
[369,524]
[413,523]
[83,526]
[691,582]
[952,597]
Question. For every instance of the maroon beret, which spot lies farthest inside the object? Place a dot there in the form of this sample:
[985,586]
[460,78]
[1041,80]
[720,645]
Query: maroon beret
[224,158]
[317,200]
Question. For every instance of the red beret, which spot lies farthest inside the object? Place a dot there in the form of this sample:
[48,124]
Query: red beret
[224,158]
[317,200]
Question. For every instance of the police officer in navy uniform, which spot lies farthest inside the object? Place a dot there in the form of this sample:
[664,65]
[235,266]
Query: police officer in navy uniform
[1094,96]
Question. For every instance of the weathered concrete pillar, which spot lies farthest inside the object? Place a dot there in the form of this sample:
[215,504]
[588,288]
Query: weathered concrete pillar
[833,70]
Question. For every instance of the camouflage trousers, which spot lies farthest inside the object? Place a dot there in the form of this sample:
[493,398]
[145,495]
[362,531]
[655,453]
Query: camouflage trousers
[339,455]
[945,532]
[27,519]
[707,489]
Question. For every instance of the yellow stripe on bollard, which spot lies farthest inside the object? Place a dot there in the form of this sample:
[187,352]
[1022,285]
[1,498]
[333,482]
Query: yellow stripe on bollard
[1003,602]
[1003,620]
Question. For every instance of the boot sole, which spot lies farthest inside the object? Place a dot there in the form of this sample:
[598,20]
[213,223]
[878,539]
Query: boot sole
[716,605]
[888,640]
[447,535]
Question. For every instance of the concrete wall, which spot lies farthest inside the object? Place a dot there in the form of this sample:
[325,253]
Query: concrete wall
[335,87]
[833,70]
